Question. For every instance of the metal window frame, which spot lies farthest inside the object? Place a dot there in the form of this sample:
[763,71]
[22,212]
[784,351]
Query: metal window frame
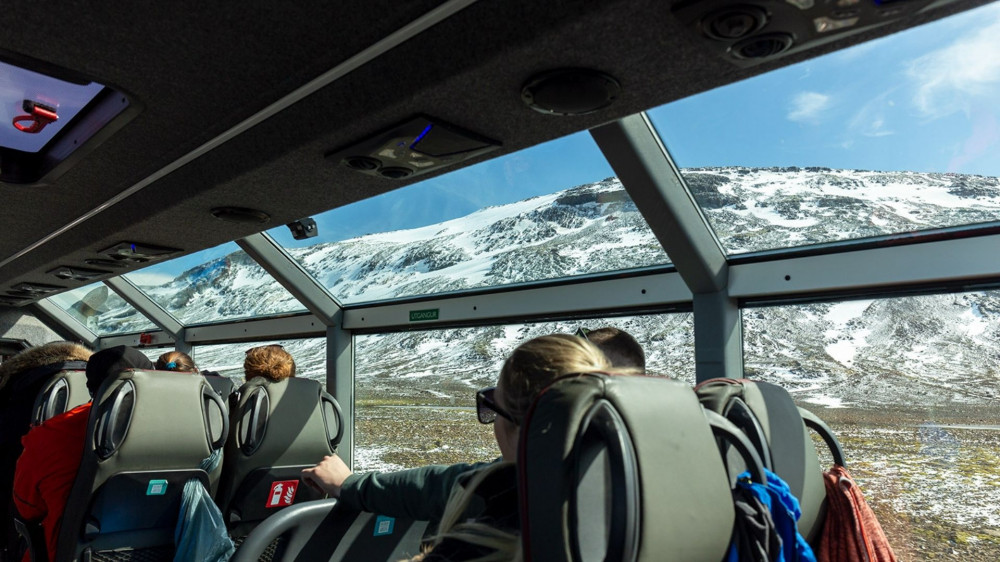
[152,311]
[640,159]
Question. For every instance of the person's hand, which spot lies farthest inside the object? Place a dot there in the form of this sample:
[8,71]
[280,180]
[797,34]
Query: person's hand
[327,476]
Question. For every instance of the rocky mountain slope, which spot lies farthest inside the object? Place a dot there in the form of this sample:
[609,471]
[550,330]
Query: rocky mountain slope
[929,349]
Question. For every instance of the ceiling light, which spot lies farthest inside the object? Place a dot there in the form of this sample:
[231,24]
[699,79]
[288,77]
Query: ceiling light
[570,91]
[240,214]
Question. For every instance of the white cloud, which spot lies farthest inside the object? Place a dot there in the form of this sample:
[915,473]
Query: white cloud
[951,79]
[870,119]
[807,107]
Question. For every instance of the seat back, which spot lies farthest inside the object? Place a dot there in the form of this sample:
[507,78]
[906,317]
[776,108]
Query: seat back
[149,432]
[621,468]
[775,425]
[325,530]
[279,428]
[62,392]
[223,386]
[29,399]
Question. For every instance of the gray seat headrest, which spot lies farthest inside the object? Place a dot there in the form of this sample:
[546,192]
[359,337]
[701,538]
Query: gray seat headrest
[646,445]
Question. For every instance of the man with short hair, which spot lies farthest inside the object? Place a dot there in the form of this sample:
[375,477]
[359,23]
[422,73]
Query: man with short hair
[618,346]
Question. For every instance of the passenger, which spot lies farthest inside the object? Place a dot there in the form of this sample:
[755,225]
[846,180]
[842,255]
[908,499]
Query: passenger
[53,450]
[182,363]
[619,346]
[176,361]
[269,361]
[21,379]
[423,493]
[201,530]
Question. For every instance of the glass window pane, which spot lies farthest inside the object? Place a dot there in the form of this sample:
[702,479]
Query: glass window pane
[414,391]
[547,212]
[227,359]
[910,386]
[102,311]
[222,283]
[154,353]
[892,136]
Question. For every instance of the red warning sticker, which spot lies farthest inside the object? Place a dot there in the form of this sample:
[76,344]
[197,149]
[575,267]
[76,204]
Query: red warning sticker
[282,493]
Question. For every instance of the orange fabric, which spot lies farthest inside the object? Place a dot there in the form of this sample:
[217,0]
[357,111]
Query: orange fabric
[47,468]
[850,533]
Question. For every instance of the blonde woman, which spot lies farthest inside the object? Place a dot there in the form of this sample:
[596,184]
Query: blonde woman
[426,493]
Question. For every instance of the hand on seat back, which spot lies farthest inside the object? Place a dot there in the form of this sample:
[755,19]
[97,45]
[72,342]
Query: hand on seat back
[328,475]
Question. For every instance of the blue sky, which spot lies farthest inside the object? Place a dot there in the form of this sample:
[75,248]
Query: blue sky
[927,99]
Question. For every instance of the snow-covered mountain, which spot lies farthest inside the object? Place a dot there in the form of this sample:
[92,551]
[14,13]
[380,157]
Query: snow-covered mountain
[590,228]
[755,209]
[929,349]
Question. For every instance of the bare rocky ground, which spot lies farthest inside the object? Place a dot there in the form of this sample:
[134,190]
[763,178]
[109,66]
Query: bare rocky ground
[934,485]
[932,478]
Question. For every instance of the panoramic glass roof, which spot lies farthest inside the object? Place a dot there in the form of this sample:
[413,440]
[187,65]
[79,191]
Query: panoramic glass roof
[551,211]
[896,135]
[221,283]
[101,310]
[49,95]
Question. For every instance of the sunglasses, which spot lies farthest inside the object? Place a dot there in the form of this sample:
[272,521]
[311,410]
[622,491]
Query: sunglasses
[582,333]
[487,409]
[273,345]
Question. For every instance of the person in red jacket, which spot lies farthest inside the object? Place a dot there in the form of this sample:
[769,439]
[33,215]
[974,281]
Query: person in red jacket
[53,451]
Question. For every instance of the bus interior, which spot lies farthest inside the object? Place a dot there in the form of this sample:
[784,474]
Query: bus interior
[802,192]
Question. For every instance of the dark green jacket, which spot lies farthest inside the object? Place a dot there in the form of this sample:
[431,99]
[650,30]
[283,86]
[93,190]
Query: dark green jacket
[419,493]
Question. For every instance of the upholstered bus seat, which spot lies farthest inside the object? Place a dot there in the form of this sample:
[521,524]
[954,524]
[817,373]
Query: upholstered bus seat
[28,400]
[324,530]
[278,429]
[787,448]
[149,432]
[63,391]
[223,386]
[622,468]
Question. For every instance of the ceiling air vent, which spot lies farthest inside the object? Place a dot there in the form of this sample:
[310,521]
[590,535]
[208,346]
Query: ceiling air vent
[35,289]
[76,273]
[734,23]
[755,31]
[138,253]
[422,144]
[10,300]
[763,46]
[105,263]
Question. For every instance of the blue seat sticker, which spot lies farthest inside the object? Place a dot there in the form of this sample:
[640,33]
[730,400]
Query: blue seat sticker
[156,488]
[384,525]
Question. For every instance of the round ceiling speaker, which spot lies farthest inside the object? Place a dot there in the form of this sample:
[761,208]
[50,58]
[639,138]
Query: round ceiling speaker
[240,214]
[570,91]
[734,22]
[762,46]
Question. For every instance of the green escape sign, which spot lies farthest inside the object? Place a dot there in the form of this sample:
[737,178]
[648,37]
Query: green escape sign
[421,315]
